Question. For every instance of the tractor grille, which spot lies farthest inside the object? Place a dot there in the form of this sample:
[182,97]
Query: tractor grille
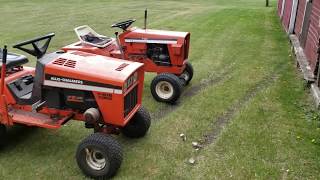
[130,101]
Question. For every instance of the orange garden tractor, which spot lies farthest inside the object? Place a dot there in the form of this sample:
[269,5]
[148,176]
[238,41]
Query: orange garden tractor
[102,92]
[162,52]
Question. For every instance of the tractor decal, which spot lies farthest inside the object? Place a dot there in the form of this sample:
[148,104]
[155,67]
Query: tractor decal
[84,82]
[84,54]
[67,80]
[122,66]
[107,96]
[151,41]
[78,99]
[64,82]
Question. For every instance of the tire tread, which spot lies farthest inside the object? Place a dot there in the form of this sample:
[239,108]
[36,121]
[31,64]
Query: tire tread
[143,117]
[171,78]
[113,148]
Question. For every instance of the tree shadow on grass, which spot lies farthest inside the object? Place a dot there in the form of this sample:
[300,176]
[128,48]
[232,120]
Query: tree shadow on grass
[16,135]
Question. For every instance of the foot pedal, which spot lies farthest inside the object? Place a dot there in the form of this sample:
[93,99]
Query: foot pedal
[37,106]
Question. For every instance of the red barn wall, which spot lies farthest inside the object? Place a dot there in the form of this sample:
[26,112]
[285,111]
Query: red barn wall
[300,17]
[313,35]
[287,14]
[280,7]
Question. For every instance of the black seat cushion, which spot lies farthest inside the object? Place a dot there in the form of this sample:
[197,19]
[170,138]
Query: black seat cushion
[91,38]
[13,60]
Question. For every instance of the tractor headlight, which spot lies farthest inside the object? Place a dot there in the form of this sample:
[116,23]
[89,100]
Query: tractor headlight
[131,80]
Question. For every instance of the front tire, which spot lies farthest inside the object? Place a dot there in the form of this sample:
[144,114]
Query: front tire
[99,156]
[139,125]
[187,74]
[166,88]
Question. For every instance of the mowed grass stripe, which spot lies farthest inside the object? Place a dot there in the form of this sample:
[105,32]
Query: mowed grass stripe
[239,37]
[204,106]
[264,135]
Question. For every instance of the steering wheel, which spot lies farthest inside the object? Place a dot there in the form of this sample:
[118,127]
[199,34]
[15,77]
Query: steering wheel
[123,25]
[37,50]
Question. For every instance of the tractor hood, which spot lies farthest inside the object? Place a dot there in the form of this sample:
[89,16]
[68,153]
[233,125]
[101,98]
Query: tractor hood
[156,35]
[76,67]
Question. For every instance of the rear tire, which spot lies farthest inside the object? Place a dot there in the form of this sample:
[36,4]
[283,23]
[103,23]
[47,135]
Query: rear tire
[166,88]
[139,125]
[99,156]
[187,74]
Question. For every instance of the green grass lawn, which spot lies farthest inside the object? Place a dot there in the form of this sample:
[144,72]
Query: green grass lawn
[247,103]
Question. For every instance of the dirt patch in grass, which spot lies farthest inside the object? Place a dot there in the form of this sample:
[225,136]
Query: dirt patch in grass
[221,121]
[213,79]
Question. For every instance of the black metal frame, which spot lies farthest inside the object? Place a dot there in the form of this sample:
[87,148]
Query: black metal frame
[37,51]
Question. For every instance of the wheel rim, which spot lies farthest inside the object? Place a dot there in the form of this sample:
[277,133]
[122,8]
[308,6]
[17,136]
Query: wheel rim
[164,90]
[95,159]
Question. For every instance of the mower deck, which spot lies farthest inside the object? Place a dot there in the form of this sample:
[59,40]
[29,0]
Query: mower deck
[36,119]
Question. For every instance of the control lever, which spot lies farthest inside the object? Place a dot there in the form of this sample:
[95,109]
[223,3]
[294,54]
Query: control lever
[119,45]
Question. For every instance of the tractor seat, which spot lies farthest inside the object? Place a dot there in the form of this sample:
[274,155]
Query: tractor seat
[13,60]
[88,36]
[91,38]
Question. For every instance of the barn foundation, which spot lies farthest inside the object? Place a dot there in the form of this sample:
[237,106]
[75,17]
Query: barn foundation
[303,65]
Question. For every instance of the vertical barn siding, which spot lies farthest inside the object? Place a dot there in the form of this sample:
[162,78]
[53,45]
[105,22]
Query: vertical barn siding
[300,17]
[313,35]
[293,16]
[280,7]
[287,14]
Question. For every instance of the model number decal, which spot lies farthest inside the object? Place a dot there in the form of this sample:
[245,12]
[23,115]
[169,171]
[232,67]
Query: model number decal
[67,80]
[75,99]
[105,96]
